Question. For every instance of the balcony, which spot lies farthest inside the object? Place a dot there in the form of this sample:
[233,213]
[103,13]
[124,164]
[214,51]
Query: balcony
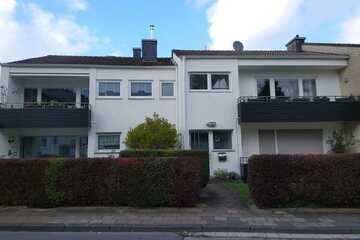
[300,109]
[44,115]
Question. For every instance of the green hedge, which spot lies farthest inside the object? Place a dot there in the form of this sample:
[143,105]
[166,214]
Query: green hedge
[325,180]
[131,181]
[204,155]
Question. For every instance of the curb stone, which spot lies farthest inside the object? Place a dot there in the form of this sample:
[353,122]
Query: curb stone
[173,228]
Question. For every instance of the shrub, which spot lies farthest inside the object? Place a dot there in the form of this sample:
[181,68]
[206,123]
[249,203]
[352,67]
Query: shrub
[224,175]
[154,133]
[22,182]
[328,180]
[221,174]
[341,141]
[153,153]
[135,182]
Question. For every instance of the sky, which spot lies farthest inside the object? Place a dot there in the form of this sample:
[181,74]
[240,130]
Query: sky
[31,28]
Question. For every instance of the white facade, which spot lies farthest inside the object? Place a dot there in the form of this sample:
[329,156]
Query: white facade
[189,109]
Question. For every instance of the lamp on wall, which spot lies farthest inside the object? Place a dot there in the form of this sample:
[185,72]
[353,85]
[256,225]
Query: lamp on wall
[211,124]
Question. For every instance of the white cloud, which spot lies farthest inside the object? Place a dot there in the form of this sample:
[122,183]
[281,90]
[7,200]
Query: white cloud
[351,29]
[251,21]
[77,5]
[41,33]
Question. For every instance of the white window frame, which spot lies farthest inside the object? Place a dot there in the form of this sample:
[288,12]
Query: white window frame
[280,77]
[209,85]
[174,88]
[222,149]
[98,81]
[141,81]
[107,134]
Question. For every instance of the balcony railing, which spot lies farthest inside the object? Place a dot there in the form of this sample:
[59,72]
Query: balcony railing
[298,109]
[45,105]
[266,99]
[45,115]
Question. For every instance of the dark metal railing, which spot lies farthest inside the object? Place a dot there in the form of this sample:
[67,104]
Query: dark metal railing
[266,99]
[45,105]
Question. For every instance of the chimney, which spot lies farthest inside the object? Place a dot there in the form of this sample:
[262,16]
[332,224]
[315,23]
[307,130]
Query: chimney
[137,53]
[295,44]
[149,47]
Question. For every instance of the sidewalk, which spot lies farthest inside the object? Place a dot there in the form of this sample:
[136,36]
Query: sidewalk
[200,219]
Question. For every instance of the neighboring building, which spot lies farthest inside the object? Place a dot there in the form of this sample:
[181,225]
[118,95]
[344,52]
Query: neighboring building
[234,103]
[349,76]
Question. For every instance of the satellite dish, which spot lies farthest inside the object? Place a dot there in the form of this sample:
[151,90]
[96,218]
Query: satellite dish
[238,46]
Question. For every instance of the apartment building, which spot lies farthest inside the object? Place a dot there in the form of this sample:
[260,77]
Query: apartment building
[233,103]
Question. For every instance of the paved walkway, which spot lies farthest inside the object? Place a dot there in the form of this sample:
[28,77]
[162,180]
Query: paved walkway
[219,211]
[216,195]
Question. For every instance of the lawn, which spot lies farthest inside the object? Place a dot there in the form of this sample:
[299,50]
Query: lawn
[242,189]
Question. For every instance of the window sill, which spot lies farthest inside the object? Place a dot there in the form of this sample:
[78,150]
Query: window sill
[141,98]
[167,98]
[223,150]
[107,152]
[109,98]
[210,91]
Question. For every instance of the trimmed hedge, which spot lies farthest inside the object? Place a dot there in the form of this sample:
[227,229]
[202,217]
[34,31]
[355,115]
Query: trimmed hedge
[326,180]
[134,182]
[150,153]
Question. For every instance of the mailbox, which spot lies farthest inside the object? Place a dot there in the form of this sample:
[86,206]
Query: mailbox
[222,156]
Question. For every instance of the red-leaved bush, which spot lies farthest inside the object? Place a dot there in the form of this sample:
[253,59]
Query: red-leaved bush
[130,181]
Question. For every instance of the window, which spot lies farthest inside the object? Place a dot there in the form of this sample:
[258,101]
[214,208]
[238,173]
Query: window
[222,139]
[290,141]
[48,146]
[263,87]
[141,88]
[64,95]
[199,140]
[30,95]
[108,141]
[167,89]
[309,87]
[198,81]
[109,88]
[84,95]
[219,81]
[83,146]
[286,88]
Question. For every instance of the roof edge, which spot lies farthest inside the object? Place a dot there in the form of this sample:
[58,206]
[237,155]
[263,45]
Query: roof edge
[333,44]
[86,65]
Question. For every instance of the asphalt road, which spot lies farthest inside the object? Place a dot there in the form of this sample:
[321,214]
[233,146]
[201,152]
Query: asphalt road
[87,236]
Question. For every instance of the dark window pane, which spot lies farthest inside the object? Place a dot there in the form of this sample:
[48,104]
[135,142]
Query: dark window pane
[141,89]
[267,142]
[286,87]
[263,87]
[49,146]
[198,81]
[58,95]
[84,95]
[30,95]
[109,88]
[309,86]
[222,139]
[109,142]
[167,89]
[199,140]
[220,81]
[83,146]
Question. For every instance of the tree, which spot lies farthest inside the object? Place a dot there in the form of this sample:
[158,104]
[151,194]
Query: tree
[341,141]
[154,133]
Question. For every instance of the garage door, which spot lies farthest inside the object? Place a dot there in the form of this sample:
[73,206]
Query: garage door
[291,141]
